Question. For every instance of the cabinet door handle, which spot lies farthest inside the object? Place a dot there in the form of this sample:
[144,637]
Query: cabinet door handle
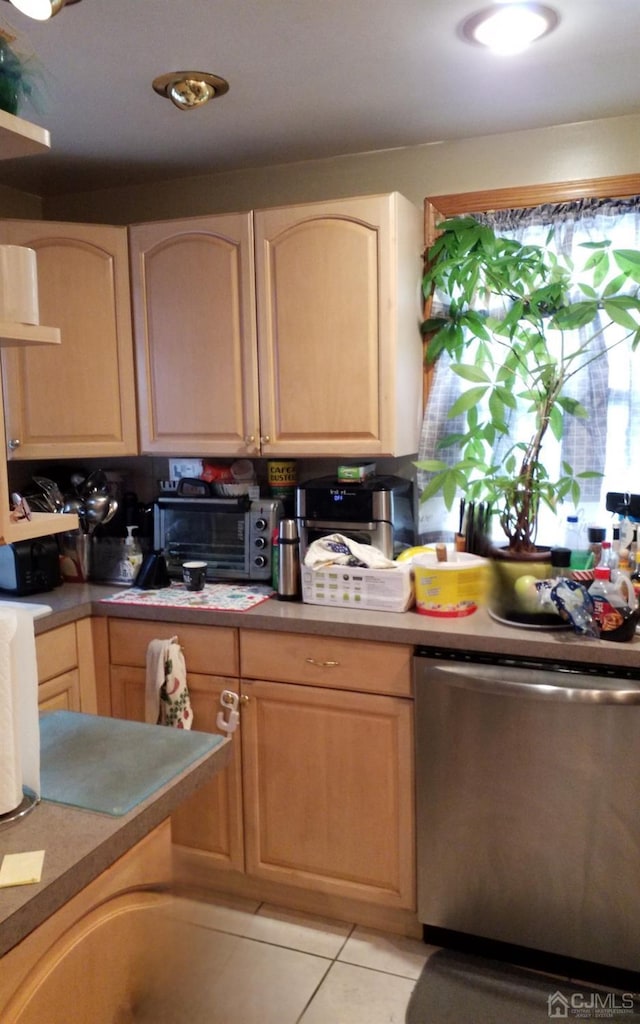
[322,664]
[250,439]
[265,439]
[14,443]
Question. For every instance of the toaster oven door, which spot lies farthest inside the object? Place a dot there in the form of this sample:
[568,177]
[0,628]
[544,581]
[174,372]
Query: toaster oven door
[202,530]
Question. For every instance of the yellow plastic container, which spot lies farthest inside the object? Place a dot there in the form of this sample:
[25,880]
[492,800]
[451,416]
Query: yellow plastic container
[449,590]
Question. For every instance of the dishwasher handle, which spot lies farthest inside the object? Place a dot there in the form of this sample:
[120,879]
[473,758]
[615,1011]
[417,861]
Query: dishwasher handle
[545,685]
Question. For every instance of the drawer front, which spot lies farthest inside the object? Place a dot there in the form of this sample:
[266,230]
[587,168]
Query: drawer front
[211,650]
[56,652]
[326,661]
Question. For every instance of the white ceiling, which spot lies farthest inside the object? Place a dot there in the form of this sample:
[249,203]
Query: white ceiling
[308,79]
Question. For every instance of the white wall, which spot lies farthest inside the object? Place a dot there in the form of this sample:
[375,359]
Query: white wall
[564,153]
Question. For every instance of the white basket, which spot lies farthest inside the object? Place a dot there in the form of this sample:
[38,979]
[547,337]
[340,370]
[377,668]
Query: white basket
[340,586]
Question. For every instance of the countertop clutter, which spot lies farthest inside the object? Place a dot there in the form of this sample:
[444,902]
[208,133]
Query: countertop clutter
[476,632]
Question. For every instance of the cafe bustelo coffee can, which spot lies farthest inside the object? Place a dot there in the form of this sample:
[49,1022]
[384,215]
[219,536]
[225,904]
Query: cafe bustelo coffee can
[282,479]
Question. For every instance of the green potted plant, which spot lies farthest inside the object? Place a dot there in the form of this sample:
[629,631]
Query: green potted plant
[17,75]
[518,325]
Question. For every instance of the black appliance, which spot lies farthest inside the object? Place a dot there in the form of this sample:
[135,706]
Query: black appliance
[378,511]
[30,566]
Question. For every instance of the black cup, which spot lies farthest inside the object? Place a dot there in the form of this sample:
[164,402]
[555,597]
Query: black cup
[194,575]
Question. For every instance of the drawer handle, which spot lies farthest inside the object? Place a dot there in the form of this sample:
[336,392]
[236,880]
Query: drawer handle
[322,664]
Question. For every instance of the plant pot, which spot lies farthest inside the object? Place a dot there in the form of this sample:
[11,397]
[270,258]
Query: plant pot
[506,601]
[8,94]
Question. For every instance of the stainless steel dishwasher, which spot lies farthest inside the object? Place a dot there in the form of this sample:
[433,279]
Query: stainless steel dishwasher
[528,803]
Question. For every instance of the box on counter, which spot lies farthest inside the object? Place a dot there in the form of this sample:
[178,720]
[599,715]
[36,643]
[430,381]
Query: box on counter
[358,474]
[386,590]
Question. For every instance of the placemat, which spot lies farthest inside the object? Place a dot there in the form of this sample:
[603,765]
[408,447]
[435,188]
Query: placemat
[110,765]
[219,597]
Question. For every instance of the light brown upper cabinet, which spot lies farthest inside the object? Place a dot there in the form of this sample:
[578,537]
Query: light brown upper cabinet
[195,335]
[76,399]
[291,331]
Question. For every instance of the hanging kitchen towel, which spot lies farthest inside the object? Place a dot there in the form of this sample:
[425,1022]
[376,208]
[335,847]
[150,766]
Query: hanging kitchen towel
[166,693]
[19,721]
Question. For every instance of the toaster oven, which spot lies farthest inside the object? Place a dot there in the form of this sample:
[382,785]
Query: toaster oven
[232,535]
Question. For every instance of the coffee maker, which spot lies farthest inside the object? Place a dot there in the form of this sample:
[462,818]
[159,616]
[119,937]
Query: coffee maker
[377,511]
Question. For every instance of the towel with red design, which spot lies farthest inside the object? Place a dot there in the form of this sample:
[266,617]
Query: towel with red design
[167,699]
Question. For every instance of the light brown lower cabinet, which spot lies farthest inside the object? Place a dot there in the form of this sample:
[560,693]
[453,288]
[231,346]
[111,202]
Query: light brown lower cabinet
[317,807]
[90,960]
[210,820]
[67,676]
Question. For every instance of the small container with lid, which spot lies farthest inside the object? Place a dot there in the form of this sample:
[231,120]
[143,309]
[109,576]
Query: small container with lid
[595,536]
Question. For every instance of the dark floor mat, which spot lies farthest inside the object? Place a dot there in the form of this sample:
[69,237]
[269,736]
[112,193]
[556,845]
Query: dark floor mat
[456,988]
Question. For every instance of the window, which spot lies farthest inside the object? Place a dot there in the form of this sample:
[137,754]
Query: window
[610,391]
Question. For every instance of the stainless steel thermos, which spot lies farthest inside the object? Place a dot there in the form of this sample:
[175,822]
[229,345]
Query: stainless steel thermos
[288,560]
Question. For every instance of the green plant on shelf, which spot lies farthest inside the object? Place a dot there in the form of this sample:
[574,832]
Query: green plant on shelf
[18,75]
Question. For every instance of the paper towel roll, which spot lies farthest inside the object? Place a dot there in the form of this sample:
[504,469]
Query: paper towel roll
[19,721]
[18,285]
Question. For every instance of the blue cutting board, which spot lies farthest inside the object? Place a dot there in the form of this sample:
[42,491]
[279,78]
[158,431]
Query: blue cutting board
[110,765]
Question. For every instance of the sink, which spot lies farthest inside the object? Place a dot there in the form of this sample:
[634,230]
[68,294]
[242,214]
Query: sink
[37,610]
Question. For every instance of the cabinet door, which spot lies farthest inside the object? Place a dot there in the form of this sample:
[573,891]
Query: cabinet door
[340,355]
[210,820]
[76,399]
[194,321]
[328,784]
[62,693]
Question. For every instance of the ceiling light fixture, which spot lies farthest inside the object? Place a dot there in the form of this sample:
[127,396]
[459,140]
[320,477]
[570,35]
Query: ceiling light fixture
[41,10]
[508,28]
[190,89]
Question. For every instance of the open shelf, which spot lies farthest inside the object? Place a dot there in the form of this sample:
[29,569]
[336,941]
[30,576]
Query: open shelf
[40,525]
[28,334]
[21,138]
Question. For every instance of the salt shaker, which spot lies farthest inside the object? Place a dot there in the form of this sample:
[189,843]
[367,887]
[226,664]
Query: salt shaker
[288,560]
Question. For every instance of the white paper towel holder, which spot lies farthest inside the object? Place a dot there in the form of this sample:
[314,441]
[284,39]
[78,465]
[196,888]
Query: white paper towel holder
[28,802]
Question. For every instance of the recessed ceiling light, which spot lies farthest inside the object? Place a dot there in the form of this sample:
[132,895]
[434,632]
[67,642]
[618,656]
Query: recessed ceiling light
[509,27]
[190,89]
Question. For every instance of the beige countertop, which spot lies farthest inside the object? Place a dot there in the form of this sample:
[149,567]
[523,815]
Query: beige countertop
[477,632]
[79,845]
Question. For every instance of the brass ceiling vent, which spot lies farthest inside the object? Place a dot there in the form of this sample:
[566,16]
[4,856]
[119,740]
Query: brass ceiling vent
[190,89]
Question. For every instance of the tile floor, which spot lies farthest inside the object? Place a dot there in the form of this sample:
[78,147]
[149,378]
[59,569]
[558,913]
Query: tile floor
[252,963]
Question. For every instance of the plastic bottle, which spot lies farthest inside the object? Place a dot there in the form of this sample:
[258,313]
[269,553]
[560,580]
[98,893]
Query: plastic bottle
[573,537]
[614,605]
[132,555]
[614,555]
[605,555]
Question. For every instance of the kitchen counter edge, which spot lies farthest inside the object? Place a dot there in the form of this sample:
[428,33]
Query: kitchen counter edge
[80,844]
[476,632]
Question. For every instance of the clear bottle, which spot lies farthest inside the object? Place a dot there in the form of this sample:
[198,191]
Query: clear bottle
[605,555]
[633,551]
[573,536]
[132,555]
